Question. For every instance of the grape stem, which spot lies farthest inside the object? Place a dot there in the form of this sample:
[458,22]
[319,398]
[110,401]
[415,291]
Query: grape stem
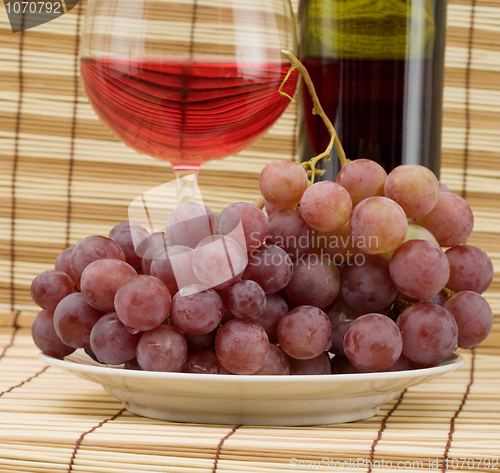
[317,110]
[259,202]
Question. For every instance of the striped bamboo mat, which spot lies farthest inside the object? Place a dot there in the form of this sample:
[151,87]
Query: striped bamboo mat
[63,176]
[51,421]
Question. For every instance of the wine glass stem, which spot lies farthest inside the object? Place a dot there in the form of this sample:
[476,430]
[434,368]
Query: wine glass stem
[186,184]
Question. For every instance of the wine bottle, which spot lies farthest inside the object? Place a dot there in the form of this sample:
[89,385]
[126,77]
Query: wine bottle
[378,67]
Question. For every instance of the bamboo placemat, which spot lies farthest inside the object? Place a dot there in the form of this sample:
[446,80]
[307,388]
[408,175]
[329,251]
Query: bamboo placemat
[51,421]
[63,176]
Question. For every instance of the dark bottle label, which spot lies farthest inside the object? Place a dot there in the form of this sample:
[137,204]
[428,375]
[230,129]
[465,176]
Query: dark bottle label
[369,29]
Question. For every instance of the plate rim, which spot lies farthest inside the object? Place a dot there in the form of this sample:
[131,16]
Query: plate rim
[452,362]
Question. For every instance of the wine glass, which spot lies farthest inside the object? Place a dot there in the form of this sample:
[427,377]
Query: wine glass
[188,81]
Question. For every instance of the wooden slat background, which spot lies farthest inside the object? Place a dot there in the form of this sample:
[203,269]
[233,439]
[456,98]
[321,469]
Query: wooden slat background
[63,176]
[51,421]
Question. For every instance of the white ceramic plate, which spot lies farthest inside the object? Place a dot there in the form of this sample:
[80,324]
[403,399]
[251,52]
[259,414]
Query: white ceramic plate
[250,400]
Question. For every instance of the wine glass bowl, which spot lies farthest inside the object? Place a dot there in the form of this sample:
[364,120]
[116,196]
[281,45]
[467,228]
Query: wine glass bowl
[188,81]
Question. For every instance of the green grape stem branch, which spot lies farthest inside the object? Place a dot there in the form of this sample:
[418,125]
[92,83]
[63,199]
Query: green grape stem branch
[310,166]
[317,110]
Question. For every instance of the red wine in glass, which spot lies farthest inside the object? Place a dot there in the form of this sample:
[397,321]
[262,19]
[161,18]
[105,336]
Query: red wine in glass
[186,112]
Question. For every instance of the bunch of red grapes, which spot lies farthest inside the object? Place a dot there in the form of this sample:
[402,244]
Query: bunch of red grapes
[342,277]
